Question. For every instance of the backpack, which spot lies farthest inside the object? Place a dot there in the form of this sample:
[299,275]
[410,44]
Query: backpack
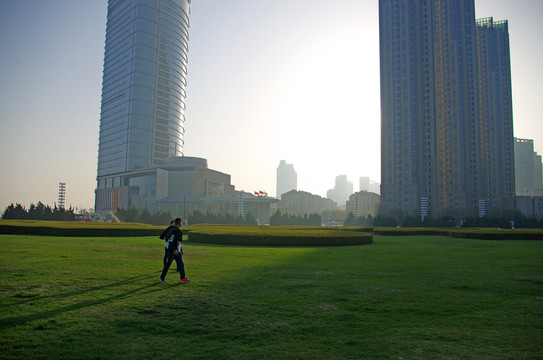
[166,233]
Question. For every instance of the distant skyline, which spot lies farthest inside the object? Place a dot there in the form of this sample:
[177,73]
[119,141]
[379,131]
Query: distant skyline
[294,79]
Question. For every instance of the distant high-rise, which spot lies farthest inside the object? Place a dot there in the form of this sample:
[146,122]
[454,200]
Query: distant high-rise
[343,188]
[287,179]
[143,92]
[366,184]
[437,151]
[495,110]
[527,169]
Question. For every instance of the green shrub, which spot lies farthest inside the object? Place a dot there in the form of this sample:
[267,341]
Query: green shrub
[393,231]
[257,235]
[277,236]
[466,233]
[77,229]
[497,234]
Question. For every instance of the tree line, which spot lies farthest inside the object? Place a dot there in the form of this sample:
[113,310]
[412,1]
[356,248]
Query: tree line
[196,217]
[279,218]
[144,216]
[38,212]
[41,211]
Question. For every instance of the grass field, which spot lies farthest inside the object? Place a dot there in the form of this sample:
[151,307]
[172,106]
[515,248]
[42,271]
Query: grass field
[418,297]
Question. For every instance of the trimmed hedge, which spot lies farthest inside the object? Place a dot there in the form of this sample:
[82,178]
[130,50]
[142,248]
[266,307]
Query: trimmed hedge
[466,233]
[277,236]
[266,235]
[213,234]
[497,234]
[77,229]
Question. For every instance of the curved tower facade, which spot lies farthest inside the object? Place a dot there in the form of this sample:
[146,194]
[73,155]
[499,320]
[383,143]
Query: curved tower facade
[143,89]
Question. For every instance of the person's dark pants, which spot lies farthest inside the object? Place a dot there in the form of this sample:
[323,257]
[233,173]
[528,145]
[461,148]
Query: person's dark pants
[180,266]
[165,256]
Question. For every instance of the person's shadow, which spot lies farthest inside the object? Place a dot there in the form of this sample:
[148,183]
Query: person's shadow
[43,315]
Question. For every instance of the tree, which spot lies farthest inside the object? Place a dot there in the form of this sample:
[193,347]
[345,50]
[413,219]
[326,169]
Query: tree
[291,219]
[15,212]
[38,212]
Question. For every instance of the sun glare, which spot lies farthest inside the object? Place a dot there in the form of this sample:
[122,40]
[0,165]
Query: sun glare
[326,112]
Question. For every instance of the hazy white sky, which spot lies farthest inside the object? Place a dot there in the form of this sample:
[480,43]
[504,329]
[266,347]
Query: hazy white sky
[294,80]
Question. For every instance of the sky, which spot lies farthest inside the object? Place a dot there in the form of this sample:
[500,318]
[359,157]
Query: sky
[294,80]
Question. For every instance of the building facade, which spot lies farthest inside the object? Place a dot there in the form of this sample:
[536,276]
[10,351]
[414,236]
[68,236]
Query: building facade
[528,169]
[366,184]
[363,203]
[495,110]
[143,91]
[287,179]
[529,206]
[432,145]
[181,186]
[302,203]
[343,188]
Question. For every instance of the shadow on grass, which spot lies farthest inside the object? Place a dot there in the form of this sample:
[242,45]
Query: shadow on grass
[23,299]
[9,322]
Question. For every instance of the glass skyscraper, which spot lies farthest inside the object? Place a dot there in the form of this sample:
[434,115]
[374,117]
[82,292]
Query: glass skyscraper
[436,157]
[143,94]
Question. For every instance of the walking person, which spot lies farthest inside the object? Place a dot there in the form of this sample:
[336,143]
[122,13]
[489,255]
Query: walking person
[165,238]
[174,238]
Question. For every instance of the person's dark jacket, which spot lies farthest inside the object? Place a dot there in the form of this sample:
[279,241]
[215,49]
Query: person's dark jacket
[172,236]
[168,229]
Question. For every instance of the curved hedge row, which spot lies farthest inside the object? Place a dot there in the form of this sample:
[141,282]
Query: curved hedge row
[466,233]
[212,234]
[276,236]
[77,229]
[266,235]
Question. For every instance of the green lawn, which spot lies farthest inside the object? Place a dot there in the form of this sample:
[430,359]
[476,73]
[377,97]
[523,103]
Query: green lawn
[417,297]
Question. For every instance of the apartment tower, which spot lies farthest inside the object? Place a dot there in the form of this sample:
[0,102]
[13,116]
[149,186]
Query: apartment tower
[495,110]
[433,143]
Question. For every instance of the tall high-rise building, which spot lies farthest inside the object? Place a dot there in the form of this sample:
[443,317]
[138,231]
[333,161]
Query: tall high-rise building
[287,179]
[343,188]
[433,145]
[495,110]
[143,94]
[366,184]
